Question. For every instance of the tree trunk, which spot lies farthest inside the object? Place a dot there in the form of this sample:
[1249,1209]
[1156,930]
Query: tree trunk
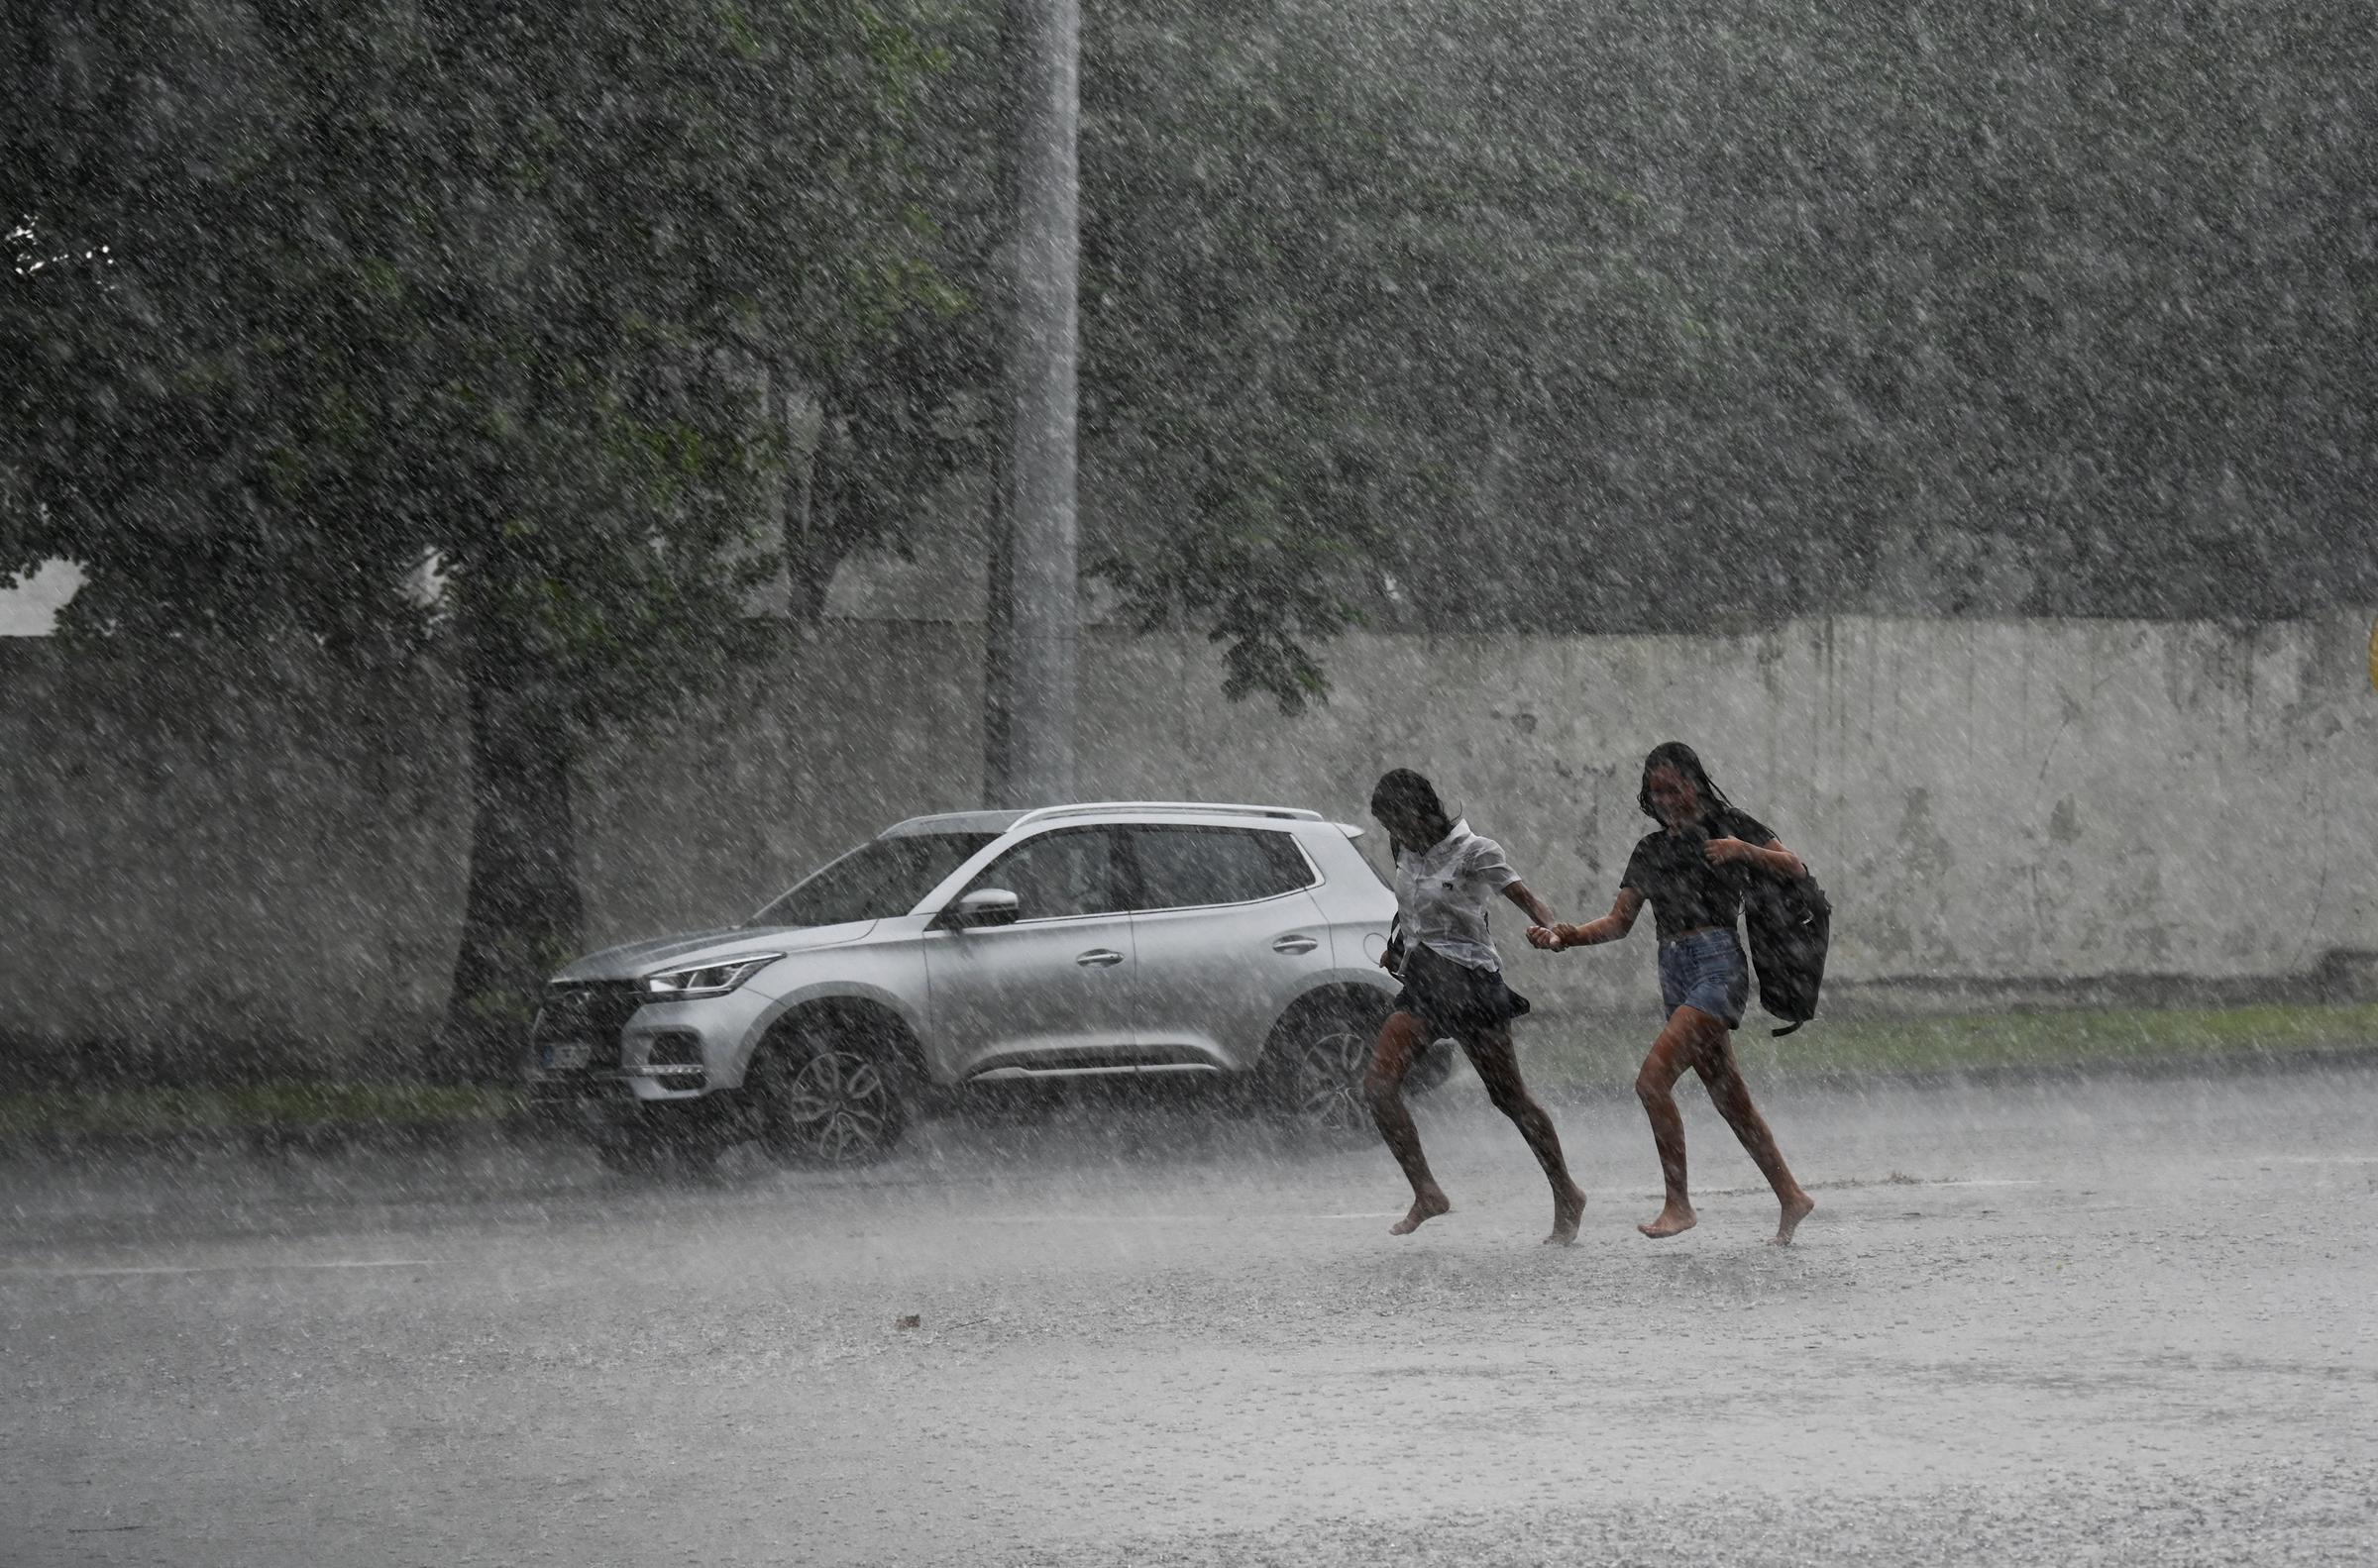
[524,915]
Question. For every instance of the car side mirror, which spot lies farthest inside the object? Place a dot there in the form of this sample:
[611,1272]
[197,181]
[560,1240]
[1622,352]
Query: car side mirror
[985,906]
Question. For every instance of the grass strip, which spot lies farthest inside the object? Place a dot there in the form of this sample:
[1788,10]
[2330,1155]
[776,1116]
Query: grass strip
[2079,1038]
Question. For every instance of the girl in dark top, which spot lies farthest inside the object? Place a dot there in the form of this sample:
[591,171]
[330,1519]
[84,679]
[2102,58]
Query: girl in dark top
[1693,872]
[1445,878]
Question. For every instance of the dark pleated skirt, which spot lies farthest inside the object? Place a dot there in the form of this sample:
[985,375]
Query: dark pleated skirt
[1455,1001]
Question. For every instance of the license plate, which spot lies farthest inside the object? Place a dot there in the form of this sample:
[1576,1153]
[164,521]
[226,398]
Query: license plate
[567,1056]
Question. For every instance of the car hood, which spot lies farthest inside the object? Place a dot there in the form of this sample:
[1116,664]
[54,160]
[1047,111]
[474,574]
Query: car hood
[660,954]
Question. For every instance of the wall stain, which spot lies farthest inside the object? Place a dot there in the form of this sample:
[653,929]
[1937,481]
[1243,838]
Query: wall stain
[1927,851]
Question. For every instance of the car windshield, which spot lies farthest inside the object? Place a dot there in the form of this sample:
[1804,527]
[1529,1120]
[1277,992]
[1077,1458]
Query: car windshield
[882,878]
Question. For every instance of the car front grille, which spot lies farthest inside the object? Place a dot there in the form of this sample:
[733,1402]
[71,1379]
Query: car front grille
[593,1011]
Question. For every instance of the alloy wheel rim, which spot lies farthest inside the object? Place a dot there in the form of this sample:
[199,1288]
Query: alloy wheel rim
[1330,1082]
[836,1106]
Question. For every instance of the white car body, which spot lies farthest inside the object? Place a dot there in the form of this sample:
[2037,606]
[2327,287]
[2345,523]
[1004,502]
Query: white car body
[1143,938]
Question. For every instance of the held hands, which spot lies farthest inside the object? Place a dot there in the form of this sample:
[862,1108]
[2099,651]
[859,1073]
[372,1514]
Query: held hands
[1550,938]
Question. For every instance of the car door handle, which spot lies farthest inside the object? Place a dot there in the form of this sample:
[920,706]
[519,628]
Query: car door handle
[1295,944]
[1100,958]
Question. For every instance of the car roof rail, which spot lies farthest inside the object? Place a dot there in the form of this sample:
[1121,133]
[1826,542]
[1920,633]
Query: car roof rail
[1202,808]
[991,821]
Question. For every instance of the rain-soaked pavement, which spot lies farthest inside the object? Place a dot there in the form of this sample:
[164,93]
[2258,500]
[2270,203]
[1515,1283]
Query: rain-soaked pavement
[2106,1323]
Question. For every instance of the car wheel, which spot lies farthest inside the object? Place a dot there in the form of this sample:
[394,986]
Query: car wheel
[828,1094]
[1316,1063]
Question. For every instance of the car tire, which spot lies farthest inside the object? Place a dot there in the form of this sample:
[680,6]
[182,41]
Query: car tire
[828,1091]
[1312,1074]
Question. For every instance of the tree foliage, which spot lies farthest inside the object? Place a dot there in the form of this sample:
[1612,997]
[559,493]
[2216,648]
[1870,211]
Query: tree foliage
[1316,308]
[1319,308]
[2041,308]
[491,290]
[1657,316]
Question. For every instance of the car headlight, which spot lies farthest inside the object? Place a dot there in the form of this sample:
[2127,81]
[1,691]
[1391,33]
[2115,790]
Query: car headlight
[715,979]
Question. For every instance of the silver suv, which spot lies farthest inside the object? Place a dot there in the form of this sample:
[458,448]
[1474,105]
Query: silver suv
[1103,940]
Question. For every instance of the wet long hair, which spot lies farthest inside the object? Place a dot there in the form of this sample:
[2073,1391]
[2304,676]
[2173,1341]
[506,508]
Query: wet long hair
[1401,793]
[1688,763]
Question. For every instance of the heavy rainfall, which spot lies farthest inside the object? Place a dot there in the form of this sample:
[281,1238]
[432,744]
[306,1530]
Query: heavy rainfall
[914,781]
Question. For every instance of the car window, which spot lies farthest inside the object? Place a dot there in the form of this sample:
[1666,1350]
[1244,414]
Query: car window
[1186,867]
[879,879]
[1057,875]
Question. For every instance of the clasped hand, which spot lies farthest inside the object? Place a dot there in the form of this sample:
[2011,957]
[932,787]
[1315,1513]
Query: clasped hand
[1729,851]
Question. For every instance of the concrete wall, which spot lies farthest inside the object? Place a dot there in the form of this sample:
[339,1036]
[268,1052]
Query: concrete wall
[1985,801]
[265,856]
[221,854]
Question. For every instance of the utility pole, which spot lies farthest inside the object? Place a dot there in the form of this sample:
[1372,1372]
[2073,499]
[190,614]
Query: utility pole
[1035,622]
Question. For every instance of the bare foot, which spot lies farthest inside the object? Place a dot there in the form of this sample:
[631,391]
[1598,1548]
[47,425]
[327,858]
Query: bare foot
[1796,1211]
[1671,1221]
[1425,1207]
[1568,1209]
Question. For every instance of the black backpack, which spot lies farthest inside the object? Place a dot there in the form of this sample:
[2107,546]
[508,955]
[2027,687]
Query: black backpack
[1789,925]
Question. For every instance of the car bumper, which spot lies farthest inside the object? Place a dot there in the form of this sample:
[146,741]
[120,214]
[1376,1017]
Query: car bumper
[661,1054]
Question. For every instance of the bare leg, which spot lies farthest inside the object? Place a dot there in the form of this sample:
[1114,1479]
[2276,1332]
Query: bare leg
[1400,1045]
[1732,1098]
[1655,1084]
[1498,1069]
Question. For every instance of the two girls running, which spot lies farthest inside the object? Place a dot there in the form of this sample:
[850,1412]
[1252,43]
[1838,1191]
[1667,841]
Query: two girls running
[1692,871]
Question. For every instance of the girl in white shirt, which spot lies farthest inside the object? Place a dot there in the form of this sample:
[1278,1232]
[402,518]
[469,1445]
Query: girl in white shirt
[1453,986]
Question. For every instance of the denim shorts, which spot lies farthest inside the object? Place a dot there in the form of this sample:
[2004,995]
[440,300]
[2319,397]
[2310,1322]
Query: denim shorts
[1706,969]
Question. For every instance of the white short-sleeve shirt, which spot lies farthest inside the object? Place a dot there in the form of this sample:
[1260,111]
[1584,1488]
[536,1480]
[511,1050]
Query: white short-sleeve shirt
[1440,894]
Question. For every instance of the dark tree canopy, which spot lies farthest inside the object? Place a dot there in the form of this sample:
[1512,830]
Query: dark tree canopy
[518,291]
[1652,316]
[1316,304]
[2043,308]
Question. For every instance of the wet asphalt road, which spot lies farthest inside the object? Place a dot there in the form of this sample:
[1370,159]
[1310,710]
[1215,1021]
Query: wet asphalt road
[2113,1322]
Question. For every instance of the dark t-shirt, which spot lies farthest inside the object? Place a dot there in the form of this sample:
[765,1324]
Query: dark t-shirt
[1686,893]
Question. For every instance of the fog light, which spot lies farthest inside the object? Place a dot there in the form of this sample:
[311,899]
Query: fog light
[673,1060]
[675,1048]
